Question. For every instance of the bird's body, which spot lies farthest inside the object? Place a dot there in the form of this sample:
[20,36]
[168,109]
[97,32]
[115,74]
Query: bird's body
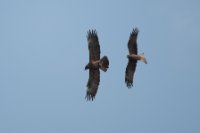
[138,57]
[92,65]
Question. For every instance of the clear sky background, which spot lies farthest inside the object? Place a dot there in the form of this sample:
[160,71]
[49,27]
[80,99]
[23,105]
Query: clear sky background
[43,51]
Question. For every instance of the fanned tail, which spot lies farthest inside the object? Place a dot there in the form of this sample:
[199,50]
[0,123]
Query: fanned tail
[104,63]
[143,58]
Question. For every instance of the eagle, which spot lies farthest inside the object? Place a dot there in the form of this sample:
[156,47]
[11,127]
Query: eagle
[94,65]
[133,58]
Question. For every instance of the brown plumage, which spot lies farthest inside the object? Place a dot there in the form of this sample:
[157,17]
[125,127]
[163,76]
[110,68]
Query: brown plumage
[95,63]
[133,57]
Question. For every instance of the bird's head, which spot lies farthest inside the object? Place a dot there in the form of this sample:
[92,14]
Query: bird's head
[86,67]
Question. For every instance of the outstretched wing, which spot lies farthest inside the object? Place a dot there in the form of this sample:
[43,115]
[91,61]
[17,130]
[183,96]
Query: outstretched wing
[93,45]
[93,83]
[131,66]
[94,55]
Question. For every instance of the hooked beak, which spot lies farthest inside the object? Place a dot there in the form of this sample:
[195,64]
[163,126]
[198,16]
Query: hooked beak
[86,67]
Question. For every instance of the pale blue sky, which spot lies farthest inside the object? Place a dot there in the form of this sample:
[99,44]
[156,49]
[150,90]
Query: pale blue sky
[43,51]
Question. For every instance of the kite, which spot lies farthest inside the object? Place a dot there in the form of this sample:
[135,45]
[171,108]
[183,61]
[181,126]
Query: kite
[95,63]
[133,57]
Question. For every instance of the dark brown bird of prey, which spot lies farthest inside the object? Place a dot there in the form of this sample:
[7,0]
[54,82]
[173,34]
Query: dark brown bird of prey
[95,63]
[133,57]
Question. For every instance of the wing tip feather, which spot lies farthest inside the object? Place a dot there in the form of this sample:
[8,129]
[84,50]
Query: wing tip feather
[92,34]
[134,32]
[89,97]
[129,84]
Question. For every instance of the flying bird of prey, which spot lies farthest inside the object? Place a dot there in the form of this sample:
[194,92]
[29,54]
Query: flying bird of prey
[95,63]
[133,57]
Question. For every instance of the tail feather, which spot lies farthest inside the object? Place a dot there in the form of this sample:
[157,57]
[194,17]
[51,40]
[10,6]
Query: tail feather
[104,63]
[143,58]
